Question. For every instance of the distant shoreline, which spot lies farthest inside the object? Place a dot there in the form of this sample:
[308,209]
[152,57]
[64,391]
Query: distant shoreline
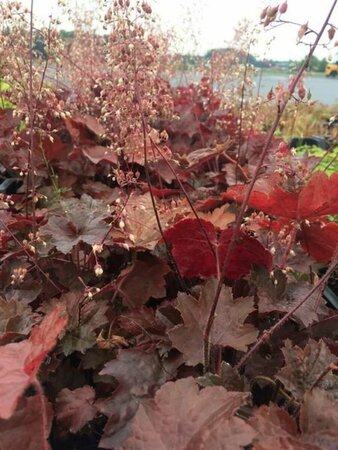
[288,73]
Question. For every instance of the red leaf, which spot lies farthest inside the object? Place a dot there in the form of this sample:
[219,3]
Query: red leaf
[277,202]
[194,256]
[98,153]
[84,130]
[14,379]
[190,247]
[43,338]
[138,374]
[143,279]
[319,418]
[318,197]
[24,429]
[142,321]
[318,422]
[203,155]
[20,362]
[276,430]
[208,204]
[55,150]
[319,240]
[75,408]
[182,417]
[159,193]
[165,168]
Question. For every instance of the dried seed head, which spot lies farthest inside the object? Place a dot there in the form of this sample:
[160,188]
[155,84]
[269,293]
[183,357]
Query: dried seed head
[263,13]
[98,270]
[97,248]
[331,32]
[146,8]
[302,30]
[283,8]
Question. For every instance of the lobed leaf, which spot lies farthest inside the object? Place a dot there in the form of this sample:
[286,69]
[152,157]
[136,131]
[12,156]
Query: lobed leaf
[195,258]
[303,368]
[182,417]
[75,408]
[277,430]
[143,279]
[81,220]
[228,328]
[137,374]
[317,198]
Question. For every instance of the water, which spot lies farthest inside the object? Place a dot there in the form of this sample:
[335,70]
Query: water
[323,90]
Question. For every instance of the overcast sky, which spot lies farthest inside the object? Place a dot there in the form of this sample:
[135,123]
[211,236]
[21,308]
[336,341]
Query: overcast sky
[205,24]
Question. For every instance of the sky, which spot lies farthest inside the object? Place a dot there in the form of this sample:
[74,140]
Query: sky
[205,24]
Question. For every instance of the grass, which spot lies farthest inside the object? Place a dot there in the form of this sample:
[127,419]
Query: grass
[327,157]
[4,87]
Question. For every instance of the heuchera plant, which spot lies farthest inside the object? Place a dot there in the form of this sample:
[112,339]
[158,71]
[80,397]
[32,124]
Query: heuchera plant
[163,259]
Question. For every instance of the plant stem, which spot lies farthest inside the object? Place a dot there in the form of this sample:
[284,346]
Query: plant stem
[265,150]
[322,158]
[327,369]
[331,162]
[146,168]
[31,168]
[186,195]
[240,128]
[268,333]
[30,258]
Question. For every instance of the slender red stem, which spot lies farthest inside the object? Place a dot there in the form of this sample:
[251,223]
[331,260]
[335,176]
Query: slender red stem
[327,369]
[31,168]
[30,258]
[146,168]
[268,333]
[185,193]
